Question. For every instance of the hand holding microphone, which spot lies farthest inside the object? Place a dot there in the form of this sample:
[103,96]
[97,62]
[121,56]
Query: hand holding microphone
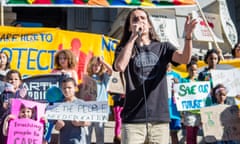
[139,32]
[138,29]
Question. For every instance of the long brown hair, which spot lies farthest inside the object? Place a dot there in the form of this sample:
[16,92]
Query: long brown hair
[126,33]
[92,61]
[72,60]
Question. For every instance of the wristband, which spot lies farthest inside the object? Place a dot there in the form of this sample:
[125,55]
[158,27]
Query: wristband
[188,38]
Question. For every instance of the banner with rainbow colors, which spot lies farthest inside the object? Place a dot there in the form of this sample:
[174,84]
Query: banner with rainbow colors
[107,3]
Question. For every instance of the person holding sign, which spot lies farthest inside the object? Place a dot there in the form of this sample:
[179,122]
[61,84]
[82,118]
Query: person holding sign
[100,71]
[143,59]
[65,63]
[26,113]
[192,119]
[212,58]
[71,132]
[220,93]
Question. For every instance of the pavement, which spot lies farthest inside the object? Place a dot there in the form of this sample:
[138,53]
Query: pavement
[109,134]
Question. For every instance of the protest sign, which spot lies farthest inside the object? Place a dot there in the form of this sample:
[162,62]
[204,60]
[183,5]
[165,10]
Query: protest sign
[220,122]
[230,78]
[37,85]
[191,96]
[88,89]
[79,110]
[24,130]
[116,84]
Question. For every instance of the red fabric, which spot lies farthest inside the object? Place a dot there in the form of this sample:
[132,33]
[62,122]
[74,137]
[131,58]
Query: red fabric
[192,134]
[42,2]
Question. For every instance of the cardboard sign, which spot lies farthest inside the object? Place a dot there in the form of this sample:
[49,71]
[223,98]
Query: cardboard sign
[21,131]
[116,84]
[220,122]
[88,90]
[191,96]
[79,110]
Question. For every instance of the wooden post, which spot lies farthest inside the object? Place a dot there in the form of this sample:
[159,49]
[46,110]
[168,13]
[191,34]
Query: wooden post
[210,30]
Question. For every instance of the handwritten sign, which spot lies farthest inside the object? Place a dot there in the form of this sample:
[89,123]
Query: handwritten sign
[191,96]
[79,110]
[88,90]
[230,78]
[37,85]
[220,122]
[26,131]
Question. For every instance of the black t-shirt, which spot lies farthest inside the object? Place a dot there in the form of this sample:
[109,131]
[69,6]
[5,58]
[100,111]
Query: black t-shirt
[148,64]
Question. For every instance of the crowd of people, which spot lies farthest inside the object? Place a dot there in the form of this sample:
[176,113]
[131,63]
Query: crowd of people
[147,112]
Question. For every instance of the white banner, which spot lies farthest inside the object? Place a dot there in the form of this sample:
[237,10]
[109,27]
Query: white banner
[191,96]
[230,78]
[166,29]
[227,23]
[79,110]
[201,32]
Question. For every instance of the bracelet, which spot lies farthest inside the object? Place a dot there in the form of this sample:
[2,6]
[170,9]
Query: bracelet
[188,38]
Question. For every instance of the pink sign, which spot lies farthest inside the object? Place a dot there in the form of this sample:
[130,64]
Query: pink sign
[26,130]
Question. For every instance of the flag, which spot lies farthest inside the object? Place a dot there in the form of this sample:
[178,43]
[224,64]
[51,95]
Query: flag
[108,3]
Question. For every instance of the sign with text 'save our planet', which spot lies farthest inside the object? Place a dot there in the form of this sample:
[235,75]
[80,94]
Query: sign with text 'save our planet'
[79,110]
[191,96]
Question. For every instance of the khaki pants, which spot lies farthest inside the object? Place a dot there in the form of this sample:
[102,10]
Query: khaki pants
[158,133]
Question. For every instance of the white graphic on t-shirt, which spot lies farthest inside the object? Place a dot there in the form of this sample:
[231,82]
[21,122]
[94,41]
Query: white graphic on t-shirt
[144,64]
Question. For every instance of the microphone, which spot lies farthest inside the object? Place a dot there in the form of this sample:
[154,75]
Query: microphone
[139,32]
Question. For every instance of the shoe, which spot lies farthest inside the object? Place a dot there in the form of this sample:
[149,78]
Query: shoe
[117,140]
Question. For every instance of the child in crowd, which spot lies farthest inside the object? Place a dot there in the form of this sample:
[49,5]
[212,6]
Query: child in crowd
[25,112]
[4,63]
[220,93]
[13,89]
[71,132]
[65,63]
[175,124]
[100,71]
[192,119]
[212,58]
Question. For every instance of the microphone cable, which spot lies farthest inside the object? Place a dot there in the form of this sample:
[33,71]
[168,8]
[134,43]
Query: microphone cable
[144,91]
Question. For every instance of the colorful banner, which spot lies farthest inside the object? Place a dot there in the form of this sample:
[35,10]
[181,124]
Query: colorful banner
[23,130]
[79,110]
[31,50]
[191,96]
[106,2]
[225,64]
